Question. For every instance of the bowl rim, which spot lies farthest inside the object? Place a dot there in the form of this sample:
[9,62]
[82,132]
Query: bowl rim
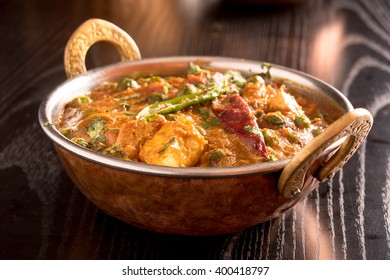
[88,79]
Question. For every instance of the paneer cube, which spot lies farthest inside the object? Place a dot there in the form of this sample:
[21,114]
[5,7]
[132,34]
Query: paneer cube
[177,143]
[284,102]
[133,135]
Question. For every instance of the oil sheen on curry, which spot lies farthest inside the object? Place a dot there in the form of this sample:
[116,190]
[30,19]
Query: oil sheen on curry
[203,119]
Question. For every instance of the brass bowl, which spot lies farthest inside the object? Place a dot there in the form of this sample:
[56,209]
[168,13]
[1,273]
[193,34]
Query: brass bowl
[193,200]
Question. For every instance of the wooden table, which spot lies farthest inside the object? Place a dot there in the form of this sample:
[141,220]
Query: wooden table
[344,42]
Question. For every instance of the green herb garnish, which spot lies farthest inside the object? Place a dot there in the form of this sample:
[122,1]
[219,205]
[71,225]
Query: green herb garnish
[81,141]
[196,69]
[235,77]
[267,73]
[95,129]
[204,112]
[171,142]
[186,89]
[215,157]
[155,97]
[114,150]
[210,123]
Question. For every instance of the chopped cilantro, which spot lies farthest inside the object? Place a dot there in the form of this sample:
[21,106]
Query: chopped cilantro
[65,131]
[215,157]
[114,150]
[95,129]
[255,79]
[267,73]
[196,69]
[259,114]
[204,112]
[210,123]
[81,141]
[155,97]
[235,77]
[171,142]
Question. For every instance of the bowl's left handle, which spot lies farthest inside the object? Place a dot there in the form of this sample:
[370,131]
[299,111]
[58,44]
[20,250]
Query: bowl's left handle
[91,32]
[354,126]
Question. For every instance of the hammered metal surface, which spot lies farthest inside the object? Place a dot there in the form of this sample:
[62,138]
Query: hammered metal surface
[354,125]
[91,32]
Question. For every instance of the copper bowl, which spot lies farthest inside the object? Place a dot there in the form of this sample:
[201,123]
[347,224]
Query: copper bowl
[192,200]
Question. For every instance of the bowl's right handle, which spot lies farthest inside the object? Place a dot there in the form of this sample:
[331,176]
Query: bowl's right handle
[93,31]
[354,125]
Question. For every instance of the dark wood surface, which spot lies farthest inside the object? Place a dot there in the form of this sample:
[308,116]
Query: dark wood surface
[346,43]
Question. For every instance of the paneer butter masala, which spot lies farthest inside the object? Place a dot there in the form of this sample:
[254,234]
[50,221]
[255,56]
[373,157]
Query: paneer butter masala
[204,118]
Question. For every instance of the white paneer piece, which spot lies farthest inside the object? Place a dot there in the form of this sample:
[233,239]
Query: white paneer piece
[177,143]
[284,102]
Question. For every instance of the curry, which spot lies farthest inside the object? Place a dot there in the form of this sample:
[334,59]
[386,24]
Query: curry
[204,118]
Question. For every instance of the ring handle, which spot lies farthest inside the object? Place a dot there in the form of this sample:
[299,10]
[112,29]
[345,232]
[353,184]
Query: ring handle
[354,125]
[93,31]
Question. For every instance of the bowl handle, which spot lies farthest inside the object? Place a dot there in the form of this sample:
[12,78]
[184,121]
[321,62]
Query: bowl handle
[354,126]
[93,31]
